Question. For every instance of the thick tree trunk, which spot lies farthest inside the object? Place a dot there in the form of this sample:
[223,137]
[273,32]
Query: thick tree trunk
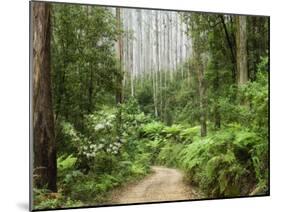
[45,167]
[241,54]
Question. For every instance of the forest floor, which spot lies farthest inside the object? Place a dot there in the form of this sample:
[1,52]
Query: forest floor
[164,184]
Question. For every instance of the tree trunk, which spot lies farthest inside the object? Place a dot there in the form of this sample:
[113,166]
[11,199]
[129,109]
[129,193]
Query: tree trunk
[157,63]
[202,94]
[90,82]
[216,109]
[217,118]
[119,77]
[90,91]
[176,43]
[119,53]
[44,164]
[132,57]
[232,49]
[181,48]
[241,54]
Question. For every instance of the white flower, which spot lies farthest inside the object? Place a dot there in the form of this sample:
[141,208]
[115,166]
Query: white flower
[99,127]
[108,124]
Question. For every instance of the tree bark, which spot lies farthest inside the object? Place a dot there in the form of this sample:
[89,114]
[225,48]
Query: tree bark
[216,109]
[119,77]
[119,53]
[202,93]
[181,48]
[157,63]
[44,164]
[91,80]
[132,58]
[241,46]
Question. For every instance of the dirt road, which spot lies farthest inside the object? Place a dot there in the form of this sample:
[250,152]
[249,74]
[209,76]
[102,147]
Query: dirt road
[164,184]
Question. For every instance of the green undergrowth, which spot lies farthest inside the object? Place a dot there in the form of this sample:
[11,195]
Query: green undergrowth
[228,162]
[108,152]
[105,155]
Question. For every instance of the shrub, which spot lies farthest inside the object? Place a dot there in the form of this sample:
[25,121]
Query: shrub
[68,138]
[151,130]
[225,163]
[46,199]
[188,135]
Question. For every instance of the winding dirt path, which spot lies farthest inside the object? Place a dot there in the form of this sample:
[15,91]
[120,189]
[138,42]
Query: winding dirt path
[164,184]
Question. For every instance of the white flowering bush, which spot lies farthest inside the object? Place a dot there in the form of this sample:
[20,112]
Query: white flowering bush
[100,141]
[105,141]
[105,152]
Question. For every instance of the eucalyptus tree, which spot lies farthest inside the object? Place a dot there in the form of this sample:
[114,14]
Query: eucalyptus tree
[44,164]
[199,35]
[241,52]
[119,55]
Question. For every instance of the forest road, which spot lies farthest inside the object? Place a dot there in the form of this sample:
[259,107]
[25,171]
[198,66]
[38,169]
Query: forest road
[164,184]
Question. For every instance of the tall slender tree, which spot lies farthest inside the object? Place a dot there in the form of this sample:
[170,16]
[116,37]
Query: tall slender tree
[119,53]
[241,46]
[132,56]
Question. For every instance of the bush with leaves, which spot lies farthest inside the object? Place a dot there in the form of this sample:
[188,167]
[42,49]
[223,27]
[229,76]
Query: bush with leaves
[228,162]
[68,139]
[43,198]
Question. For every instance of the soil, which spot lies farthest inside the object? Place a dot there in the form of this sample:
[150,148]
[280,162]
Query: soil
[164,184]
